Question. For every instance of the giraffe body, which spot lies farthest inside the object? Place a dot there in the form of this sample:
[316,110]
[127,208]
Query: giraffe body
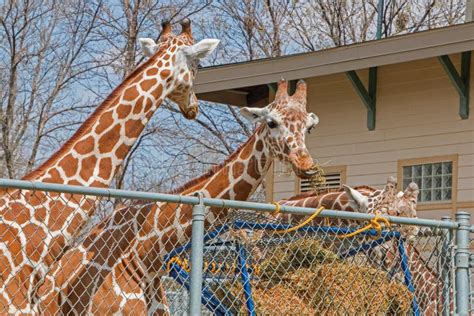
[36,227]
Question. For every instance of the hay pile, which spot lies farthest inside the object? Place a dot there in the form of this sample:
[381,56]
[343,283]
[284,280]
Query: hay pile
[303,278]
[302,253]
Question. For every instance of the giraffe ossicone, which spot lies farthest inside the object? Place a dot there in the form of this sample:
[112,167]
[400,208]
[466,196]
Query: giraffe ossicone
[37,228]
[127,275]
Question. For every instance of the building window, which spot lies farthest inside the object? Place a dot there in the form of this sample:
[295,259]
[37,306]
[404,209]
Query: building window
[435,180]
[335,177]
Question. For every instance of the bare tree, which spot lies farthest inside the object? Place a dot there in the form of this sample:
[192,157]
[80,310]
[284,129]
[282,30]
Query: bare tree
[41,67]
[249,29]
[320,24]
[59,59]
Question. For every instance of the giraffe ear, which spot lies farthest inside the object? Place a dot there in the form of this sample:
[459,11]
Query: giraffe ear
[254,114]
[148,46]
[201,49]
[359,201]
[313,120]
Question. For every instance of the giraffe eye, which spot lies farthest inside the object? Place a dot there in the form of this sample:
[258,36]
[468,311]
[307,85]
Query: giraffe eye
[272,123]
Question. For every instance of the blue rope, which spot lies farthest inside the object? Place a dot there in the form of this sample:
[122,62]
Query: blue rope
[407,274]
[242,262]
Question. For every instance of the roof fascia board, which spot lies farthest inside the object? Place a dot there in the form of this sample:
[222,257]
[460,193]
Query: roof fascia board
[392,50]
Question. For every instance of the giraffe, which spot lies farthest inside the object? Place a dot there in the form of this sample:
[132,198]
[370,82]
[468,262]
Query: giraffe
[127,281]
[427,283]
[362,199]
[36,228]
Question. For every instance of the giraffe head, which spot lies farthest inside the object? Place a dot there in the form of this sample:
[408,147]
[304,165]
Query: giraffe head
[389,202]
[406,201]
[379,200]
[285,124]
[404,204]
[178,63]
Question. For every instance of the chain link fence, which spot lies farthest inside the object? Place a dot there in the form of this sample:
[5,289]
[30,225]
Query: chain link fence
[253,265]
[252,262]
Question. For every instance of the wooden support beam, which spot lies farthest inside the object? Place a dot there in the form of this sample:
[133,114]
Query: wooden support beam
[466,78]
[233,97]
[460,81]
[368,96]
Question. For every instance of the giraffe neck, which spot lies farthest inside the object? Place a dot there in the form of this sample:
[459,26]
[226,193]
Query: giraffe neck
[45,225]
[169,225]
[241,174]
[427,284]
[91,156]
[152,232]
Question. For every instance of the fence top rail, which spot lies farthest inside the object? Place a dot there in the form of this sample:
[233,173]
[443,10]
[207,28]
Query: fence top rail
[181,199]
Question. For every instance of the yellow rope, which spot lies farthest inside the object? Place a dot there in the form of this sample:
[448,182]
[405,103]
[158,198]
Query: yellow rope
[374,223]
[277,208]
[318,211]
[212,267]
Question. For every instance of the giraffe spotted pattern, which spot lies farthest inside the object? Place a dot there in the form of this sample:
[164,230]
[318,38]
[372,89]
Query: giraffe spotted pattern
[127,276]
[36,227]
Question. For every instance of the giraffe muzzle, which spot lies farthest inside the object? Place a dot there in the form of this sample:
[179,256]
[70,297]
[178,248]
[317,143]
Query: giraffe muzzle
[191,113]
[304,173]
[302,164]
[192,109]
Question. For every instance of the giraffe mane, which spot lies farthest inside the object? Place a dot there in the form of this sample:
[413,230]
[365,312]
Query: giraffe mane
[89,122]
[214,169]
[325,191]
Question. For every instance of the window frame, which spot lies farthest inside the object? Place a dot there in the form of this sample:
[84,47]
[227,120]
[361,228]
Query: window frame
[432,205]
[342,169]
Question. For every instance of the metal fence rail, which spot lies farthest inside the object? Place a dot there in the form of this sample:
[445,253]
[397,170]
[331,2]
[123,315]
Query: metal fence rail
[246,262]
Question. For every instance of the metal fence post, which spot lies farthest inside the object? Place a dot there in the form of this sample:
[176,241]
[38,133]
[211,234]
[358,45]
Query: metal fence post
[197,250]
[445,268]
[462,263]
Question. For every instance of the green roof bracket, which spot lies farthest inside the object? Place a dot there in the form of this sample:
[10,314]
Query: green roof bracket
[368,96]
[273,87]
[460,81]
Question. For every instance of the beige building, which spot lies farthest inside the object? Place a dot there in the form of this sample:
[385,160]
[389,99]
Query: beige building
[411,119]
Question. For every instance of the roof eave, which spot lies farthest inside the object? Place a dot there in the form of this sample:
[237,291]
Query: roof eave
[391,50]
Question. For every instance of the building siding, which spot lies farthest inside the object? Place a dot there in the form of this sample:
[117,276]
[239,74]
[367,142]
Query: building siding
[417,117]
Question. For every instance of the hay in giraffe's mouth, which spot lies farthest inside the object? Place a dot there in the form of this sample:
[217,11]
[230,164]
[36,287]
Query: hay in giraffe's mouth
[317,179]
